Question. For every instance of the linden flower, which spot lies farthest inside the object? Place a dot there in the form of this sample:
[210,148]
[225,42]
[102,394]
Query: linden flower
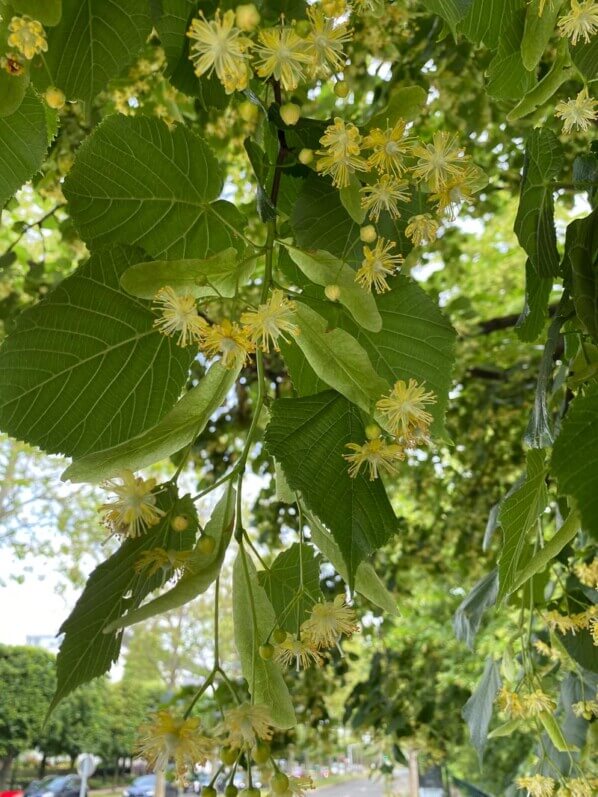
[537,702]
[168,737]
[13,64]
[440,160]
[378,455]
[404,408]
[298,652]
[422,228]
[270,321]
[458,189]
[580,23]
[377,265]
[510,703]
[281,55]
[179,315]
[329,621]
[389,148]
[383,196]
[325,43]
[340,156]
[577,787]
[536,785]
[246,725]
[221,47]
[135,508]
[158,559]
[229,340]
[578,113]
[586,709]
[27,36]
[588,573]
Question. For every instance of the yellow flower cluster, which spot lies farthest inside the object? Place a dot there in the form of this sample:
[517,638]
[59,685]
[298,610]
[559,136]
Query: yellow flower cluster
[231,341]
[134,510]
[581,22]
[328,621]
[570,623]
[525,705]
[588,573]
[578,113]
[222,46]
[404,415]
[169,738]
[27,36]
[536,785]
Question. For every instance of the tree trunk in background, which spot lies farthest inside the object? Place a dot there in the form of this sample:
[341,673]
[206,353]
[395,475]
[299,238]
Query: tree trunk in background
[160,784]
[42,766]
[413,774]
[5,770]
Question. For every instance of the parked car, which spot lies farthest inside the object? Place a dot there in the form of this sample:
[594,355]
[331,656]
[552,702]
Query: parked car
[55,786]
[145,786]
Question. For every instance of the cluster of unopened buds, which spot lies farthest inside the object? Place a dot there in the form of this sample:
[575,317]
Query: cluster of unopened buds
[243,737]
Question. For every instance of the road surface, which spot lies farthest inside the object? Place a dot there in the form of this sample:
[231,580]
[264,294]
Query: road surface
[361,787]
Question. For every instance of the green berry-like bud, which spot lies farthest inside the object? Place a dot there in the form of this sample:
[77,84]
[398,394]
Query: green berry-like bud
[290,113]
[372,431]
[261,753]
[333,292]
[306,156]
[54,98]
[209,791]
[368,234]
[302,28]
[279,635]
[206,544]
[250,792]
[179,523]
[248,111]
[266,651]
[341,88]
[279,783]
[231,790]
[228,756]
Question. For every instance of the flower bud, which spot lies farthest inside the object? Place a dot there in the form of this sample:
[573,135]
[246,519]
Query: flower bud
[266,651]
[372,431]
[306,156]
[341,88]
[206,544]
[247,17]
[54,98]
[248,111]
[179,523]
[333,292]
[290,113]
[368,234]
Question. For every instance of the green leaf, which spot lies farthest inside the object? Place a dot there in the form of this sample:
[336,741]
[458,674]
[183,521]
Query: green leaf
[325,269]
[452,11]
[518,515]
[507,728]
[12,91]
[477,712]
[308,437]
[282,584]
[404,102]
[172,27]
[367,581]
[220,275]
[581,251]
[468,617]
[551,549]
[487,19]
[416,341]
[508,79]
[136,181]
[350,197]
[100,37]
[575,457]
[200,573]
[85,369]
[560,72]
[554,733]
[539,29]
[534,224]
[585,58]
[48,12]
[266,684]
[338,359]
[86,650]
[533,318]
[23,145]
[177,429]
